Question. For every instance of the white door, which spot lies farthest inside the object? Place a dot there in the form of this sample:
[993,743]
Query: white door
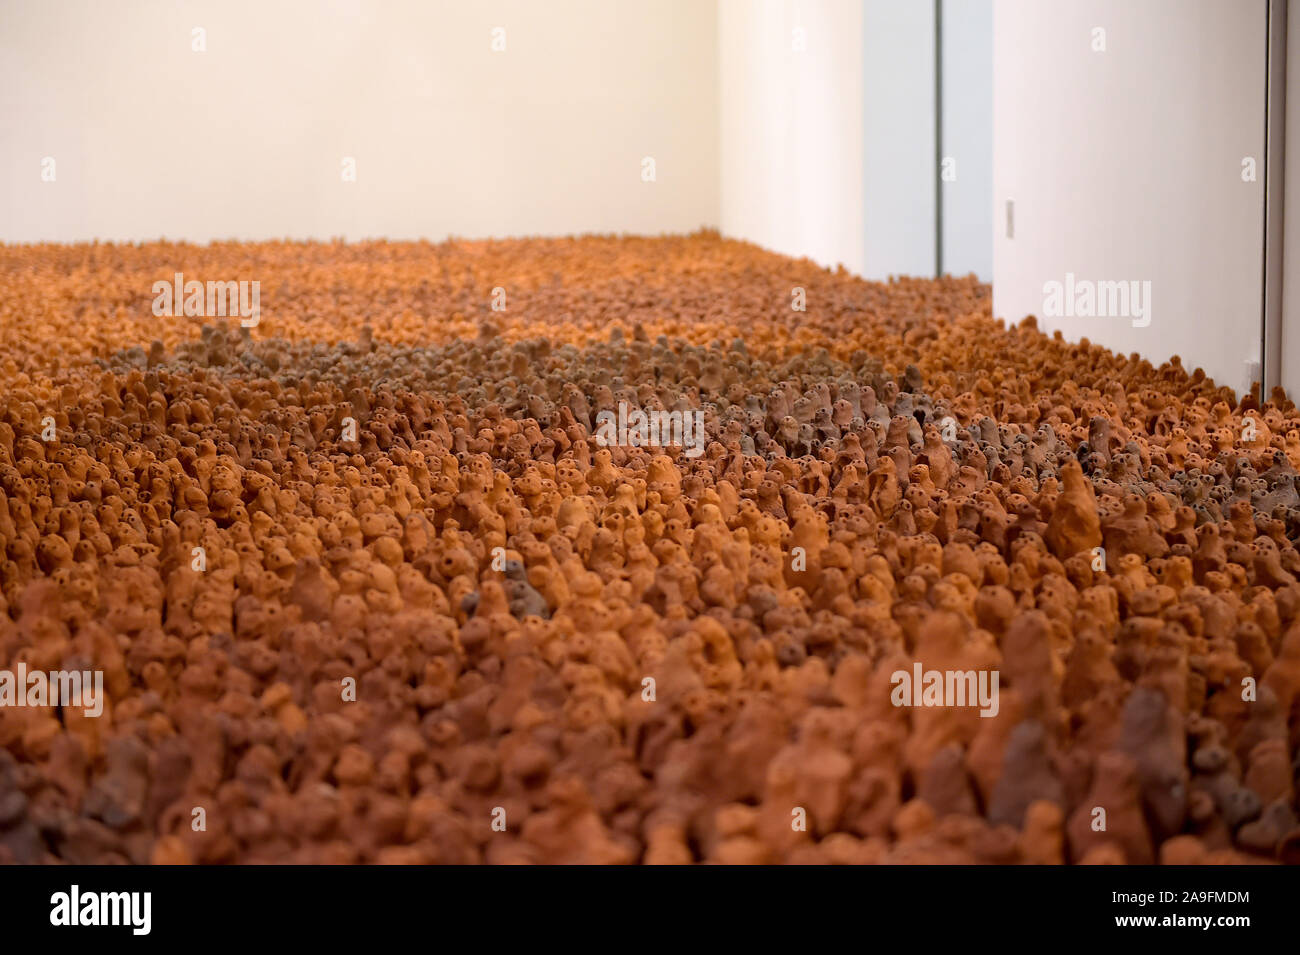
[1130,138]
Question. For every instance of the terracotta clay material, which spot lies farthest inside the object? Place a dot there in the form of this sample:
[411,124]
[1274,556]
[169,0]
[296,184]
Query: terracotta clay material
[365,586]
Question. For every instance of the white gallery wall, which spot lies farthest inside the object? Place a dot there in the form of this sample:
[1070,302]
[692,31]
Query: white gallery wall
[966,71]
[1290,326]
[829,125]
[899,170]
[791,111]
[151,138]
[1126,164]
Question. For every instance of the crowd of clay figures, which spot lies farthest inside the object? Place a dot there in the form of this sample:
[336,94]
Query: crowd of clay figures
[363,585]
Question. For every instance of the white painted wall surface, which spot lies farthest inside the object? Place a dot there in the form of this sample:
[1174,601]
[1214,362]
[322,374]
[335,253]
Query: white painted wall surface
[899,166]
[246,140]
[1126,164]
[967,59]
[791,141]
[1290,344]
